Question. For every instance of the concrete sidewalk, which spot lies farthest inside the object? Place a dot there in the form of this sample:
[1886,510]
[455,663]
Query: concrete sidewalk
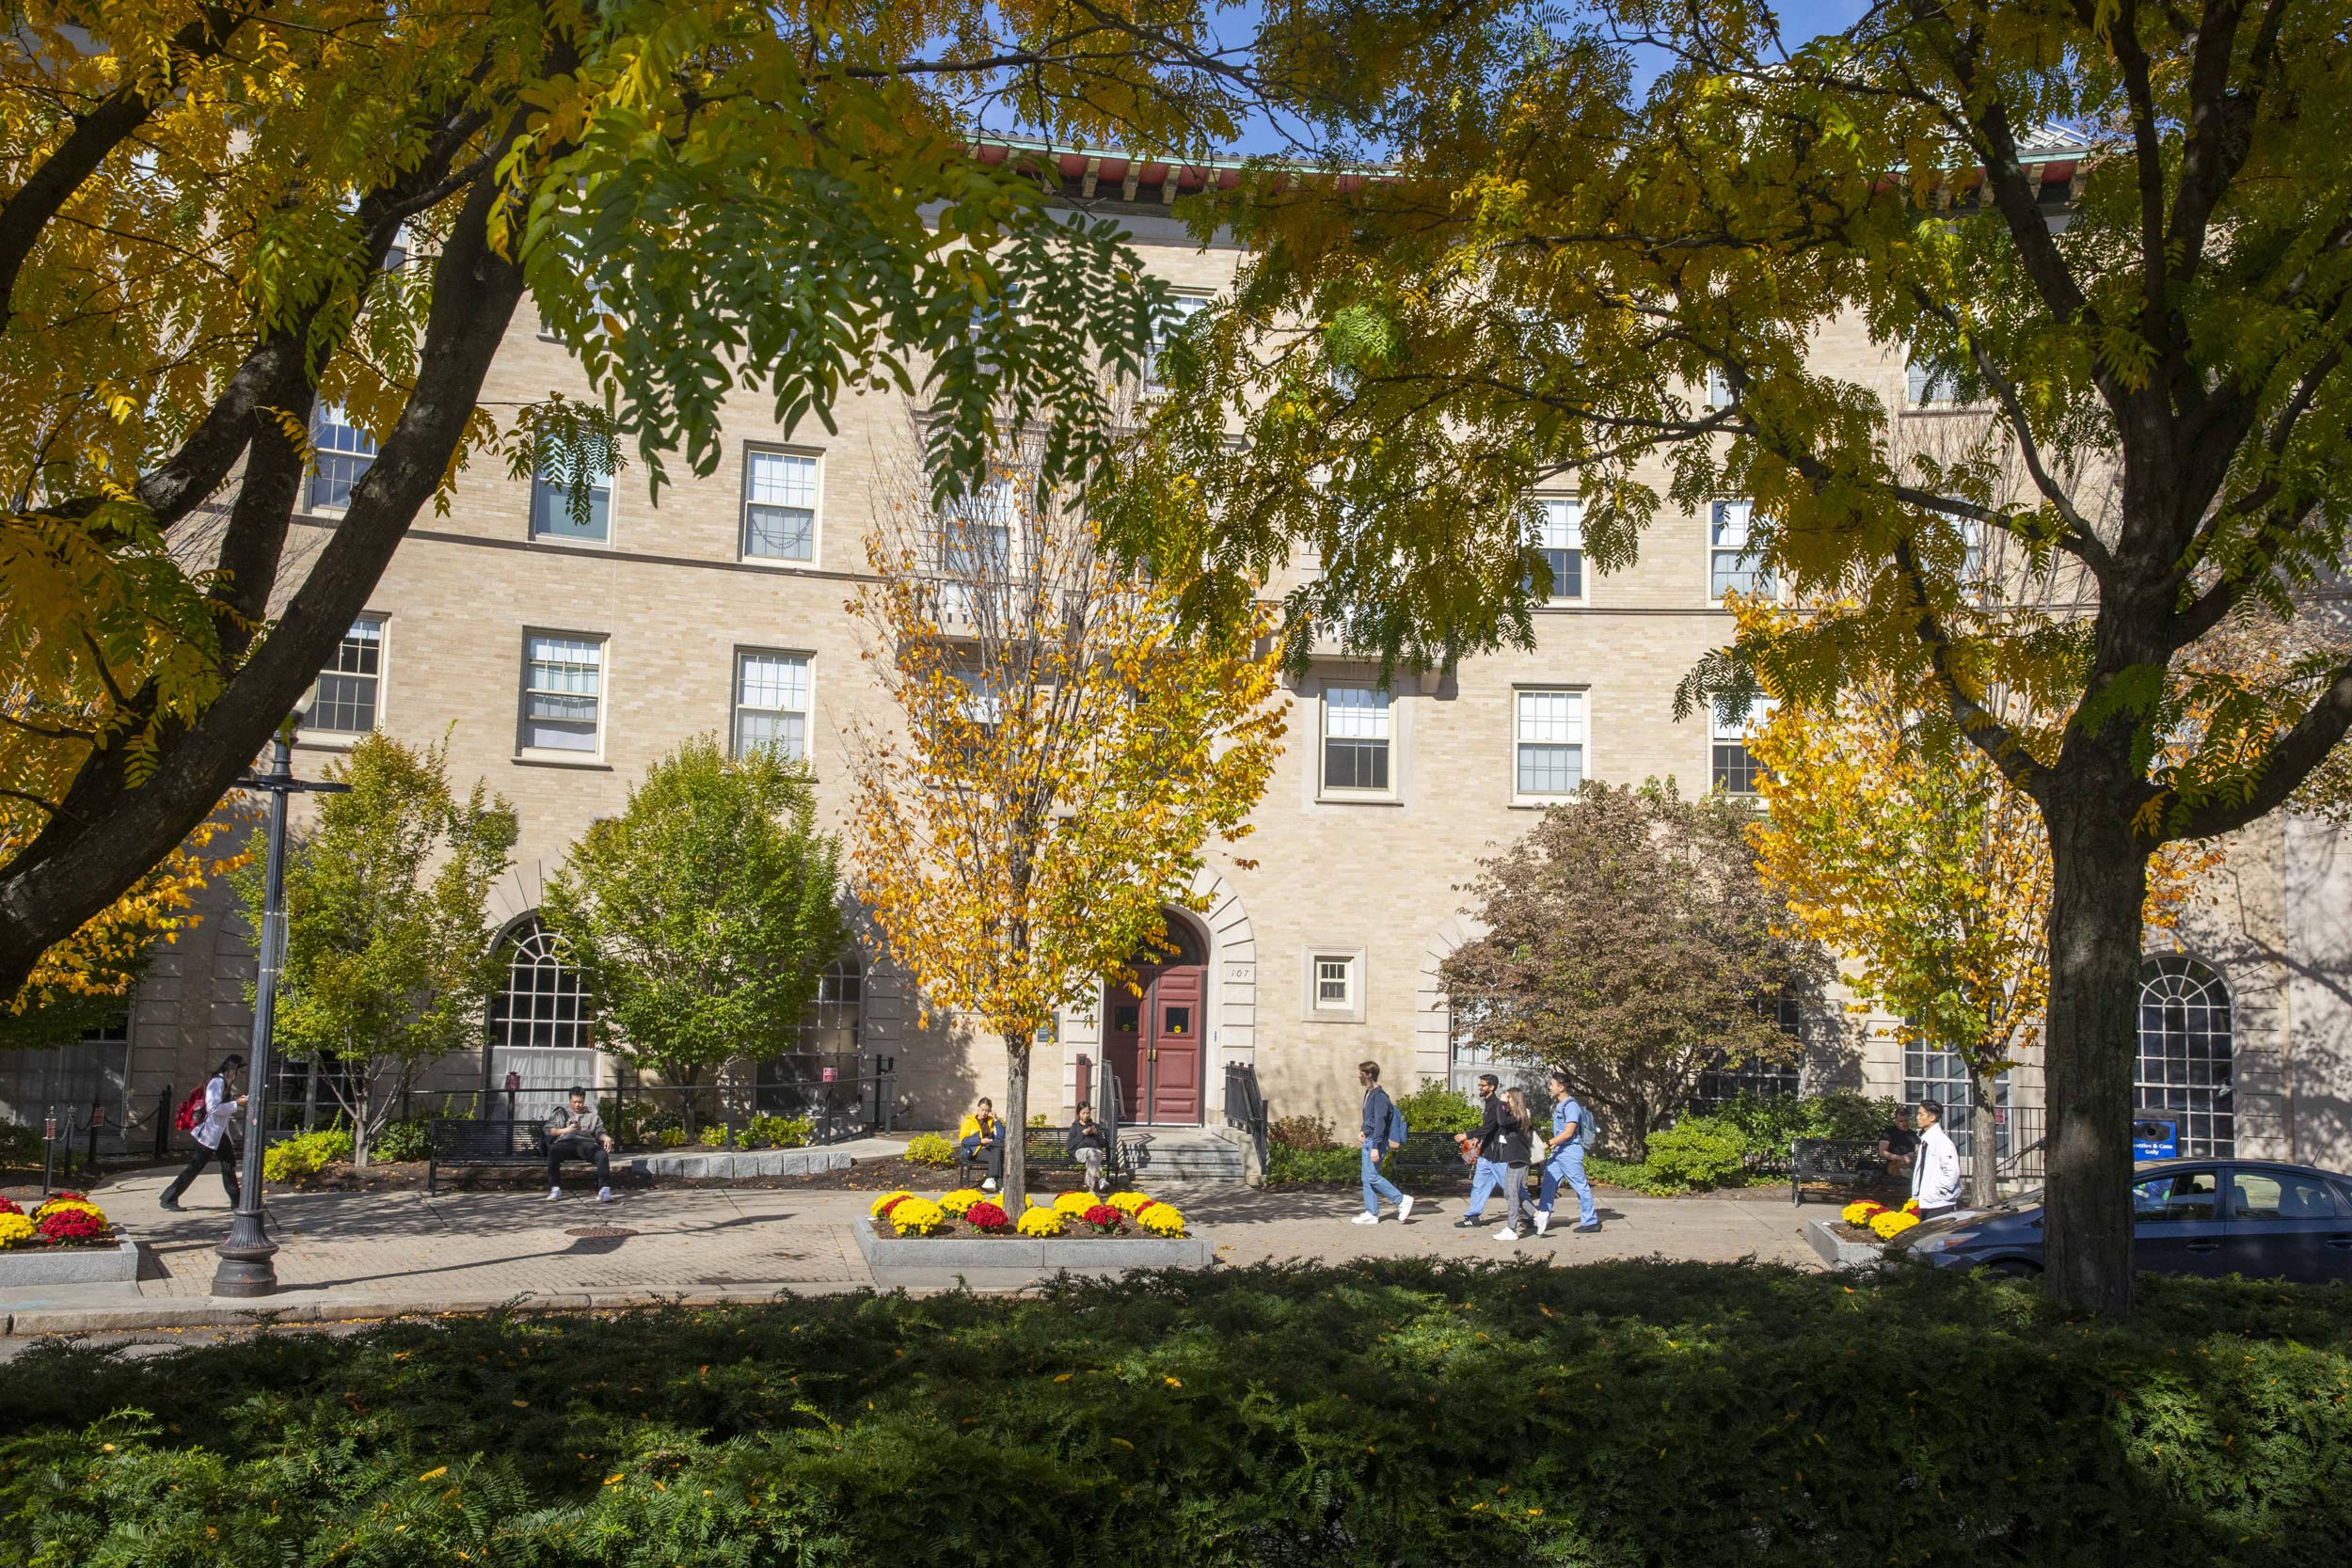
[354,1255]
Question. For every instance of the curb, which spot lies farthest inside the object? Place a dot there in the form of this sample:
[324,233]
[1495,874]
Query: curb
[208,1312]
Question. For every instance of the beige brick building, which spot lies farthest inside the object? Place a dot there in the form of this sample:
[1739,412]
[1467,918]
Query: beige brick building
[561,659]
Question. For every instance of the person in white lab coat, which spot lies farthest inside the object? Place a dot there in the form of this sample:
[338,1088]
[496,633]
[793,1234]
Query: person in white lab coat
[215,1139]
[1936,1173]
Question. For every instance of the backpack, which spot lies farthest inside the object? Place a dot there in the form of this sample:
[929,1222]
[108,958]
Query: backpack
[191,1112]
[1398,1132]
[1586,1135]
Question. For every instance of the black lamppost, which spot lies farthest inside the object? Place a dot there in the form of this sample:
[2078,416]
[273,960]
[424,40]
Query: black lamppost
[245,1269]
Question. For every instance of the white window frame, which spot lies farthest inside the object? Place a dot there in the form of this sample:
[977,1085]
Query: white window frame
[1921,387]
[1192,302]
[1349,956]
[324,416]
[1719,514]
[578,756]
[316,733]
[805,712]
[753,451]
[1722,731]
[1581,697]
[1567,510]
[1386,710]
[554,491]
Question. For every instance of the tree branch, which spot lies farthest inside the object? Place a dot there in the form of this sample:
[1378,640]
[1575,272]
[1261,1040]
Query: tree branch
[1987,733]
[2291,761]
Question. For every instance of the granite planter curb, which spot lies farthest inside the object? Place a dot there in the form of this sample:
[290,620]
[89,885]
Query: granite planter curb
[719,1164]
[1025,1252]
[1838,1251]
[80,1265]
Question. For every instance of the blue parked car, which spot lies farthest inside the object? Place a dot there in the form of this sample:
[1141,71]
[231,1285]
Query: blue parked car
[2253,1217]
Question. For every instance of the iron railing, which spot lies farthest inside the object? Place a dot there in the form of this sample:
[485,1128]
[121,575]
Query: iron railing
[1244,1106]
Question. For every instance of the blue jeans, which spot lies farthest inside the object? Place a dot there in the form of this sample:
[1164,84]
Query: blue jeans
[1376,1186]
[1486,1177]
[1568,1166]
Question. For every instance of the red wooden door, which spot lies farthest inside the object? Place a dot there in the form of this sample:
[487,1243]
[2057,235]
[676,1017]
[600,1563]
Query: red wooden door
[1123,1048]
[1176,1028]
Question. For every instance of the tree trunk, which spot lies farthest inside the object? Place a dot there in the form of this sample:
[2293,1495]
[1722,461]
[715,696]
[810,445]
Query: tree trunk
[1983,1143]
[1016,1194]
[2099,884]
[360,1125]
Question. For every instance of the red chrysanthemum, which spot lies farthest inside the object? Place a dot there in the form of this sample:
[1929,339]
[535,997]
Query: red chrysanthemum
[7,1206]
[884,1211]
[67,1198]
[1101,1216]
[987,1216]
[69,1225]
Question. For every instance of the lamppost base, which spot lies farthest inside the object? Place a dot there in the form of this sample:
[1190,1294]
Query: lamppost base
[246,1267]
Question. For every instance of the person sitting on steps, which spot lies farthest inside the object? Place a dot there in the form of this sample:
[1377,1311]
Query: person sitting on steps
[576,1132]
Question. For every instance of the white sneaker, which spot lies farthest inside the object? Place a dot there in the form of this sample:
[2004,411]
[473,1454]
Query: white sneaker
[1366,1219]
[604,1194]
[554,1193]
[1404,1209]
[1506,1234]
[1543,1221]
[989,1185]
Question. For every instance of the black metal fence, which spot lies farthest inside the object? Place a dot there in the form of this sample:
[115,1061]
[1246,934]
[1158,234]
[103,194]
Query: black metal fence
[1244,1106]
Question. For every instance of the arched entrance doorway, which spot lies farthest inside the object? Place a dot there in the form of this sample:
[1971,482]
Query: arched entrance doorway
[1154,1042]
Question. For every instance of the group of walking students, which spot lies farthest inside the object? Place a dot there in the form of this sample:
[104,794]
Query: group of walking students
[1499,1152]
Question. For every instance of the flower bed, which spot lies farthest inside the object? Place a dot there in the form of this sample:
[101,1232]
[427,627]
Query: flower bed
[1866,1221]
[66,1220]
[969,1214]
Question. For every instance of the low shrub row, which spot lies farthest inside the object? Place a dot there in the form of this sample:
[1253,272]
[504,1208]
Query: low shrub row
[1395,1412]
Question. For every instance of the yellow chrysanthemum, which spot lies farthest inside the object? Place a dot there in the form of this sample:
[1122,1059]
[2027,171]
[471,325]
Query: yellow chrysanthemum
[60,1205]
[960,1199]
[1040,1222]
[15,1229]
[886,1200]
[1862,1213]
[1892,1223]
[1127,1203]
[917,1217]
[1075,1203]
[1162,1219]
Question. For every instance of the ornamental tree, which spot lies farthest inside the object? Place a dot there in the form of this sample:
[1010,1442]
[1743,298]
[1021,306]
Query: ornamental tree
[703,916]
[1910,855]
[220,220]
[2121,235]
[388,961]
[1631,942]
[1060,755]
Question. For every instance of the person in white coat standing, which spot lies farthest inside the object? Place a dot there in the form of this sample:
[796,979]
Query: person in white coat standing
[213,1135]
[1936,1173]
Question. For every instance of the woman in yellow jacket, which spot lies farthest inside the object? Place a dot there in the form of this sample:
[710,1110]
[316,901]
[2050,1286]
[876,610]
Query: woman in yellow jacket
[981,1132]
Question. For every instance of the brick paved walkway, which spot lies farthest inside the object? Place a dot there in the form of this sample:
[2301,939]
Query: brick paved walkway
[377,1252]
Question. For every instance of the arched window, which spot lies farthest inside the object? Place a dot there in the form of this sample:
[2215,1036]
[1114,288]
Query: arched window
[540,1024]
[794,1083]
[2184,1050]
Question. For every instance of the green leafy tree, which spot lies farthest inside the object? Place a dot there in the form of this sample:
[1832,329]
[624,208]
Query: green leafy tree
[703,916]
[220,220]
[388,961]
[2116,243]
[1631,942]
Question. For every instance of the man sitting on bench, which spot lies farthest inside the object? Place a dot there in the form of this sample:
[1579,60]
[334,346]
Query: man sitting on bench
[578,1133]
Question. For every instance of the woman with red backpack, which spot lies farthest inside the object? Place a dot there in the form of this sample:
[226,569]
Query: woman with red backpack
[210,1124]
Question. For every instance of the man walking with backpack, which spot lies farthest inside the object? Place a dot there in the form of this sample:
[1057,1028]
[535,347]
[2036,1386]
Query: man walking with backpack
[1564,1161]
[1384,1130]
[207,1120]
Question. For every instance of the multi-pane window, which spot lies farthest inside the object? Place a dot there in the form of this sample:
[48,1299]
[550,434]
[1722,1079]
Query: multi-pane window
[1718,388]
[1925,387]
[779,505]
[551,514]
[1550,743]
[771,703]
[1563,546]
[1733,767]
[1187,307]
[1355,737]
[563,688]
[346,702]
[1732,564]
[541,1026]
[1932,1073]
[2186,1054]
[1335,987]
[342,452]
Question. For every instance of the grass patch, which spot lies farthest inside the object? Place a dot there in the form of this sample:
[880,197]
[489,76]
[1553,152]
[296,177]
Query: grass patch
[1387,1413]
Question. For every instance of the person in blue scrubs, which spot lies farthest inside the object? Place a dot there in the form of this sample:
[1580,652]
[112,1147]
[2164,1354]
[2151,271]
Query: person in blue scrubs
[1564,1161]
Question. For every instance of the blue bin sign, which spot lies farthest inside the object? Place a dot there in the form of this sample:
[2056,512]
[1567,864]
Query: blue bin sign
[2153,1138]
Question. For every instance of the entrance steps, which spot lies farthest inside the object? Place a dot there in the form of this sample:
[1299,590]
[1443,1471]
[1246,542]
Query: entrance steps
[1187,1154]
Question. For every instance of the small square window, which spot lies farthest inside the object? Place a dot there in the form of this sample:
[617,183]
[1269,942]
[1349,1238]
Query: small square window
[1334,984]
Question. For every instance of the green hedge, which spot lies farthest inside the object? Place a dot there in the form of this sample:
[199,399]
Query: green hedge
[1400,1411]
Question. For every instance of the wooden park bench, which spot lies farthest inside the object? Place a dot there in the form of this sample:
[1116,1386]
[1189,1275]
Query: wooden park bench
[1843,1165]
[463,1141]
